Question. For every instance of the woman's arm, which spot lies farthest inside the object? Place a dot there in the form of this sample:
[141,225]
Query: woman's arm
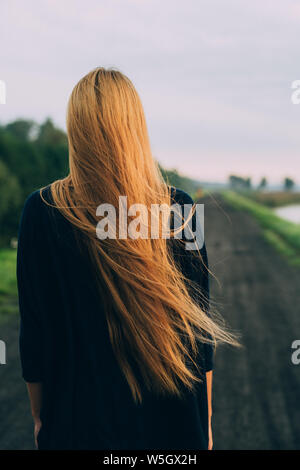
[209,377]
[31,331]
[35,396]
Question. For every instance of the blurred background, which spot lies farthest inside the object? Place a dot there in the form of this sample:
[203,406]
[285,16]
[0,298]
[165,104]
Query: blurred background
[215,78]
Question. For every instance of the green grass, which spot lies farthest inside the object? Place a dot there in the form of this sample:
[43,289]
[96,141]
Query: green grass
[275,198]
[282,234]
[8,283]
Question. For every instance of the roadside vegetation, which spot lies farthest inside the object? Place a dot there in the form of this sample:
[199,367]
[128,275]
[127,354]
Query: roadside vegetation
[275,198]
[283,235]
[8,283]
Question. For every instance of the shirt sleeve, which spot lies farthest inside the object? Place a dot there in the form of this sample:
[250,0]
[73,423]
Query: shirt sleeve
[195,268]
[30,333]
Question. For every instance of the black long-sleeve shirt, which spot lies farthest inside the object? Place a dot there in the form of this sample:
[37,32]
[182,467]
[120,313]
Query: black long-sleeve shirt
[64,343]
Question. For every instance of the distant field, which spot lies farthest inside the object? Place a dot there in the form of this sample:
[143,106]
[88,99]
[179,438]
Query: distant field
[283,235]
[8,283]
[276,198]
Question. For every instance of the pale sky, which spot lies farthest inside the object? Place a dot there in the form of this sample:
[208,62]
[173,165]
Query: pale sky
[214,76]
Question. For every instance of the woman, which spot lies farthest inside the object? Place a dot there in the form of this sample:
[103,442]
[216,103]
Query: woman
[116,342]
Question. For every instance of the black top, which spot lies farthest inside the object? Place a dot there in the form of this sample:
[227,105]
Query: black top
[64,343]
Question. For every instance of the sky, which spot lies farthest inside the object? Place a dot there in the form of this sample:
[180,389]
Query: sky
[214,76]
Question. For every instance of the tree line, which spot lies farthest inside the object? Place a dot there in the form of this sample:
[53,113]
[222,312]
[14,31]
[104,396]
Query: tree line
[31,156]
[239,183]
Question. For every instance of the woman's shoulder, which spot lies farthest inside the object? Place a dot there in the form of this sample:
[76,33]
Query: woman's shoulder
[179,196]
[42,220]
[38,198]
[36,208]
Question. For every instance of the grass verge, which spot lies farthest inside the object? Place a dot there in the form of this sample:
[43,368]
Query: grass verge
[282,234]
[8,283]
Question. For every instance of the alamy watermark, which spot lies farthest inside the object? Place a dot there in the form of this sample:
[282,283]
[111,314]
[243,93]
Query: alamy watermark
[295,358]
[2,352]
[2,92]
[164,221]
[295,97]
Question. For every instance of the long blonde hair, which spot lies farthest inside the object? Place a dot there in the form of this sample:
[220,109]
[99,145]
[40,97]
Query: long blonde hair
[152,317]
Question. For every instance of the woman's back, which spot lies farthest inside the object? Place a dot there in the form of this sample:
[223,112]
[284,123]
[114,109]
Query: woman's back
[65,344]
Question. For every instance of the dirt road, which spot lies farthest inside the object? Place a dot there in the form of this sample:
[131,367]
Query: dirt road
[257,388]
[15,418]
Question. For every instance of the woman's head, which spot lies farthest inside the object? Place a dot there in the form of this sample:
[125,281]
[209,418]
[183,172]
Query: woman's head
[152,317]
[108,138]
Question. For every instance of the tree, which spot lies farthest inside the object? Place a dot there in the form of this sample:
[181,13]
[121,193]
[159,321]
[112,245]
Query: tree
[10,199]
[238,183]
[28,161]
[263,183]
[51,135]
[288,184]
[248,183]
[20,129]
